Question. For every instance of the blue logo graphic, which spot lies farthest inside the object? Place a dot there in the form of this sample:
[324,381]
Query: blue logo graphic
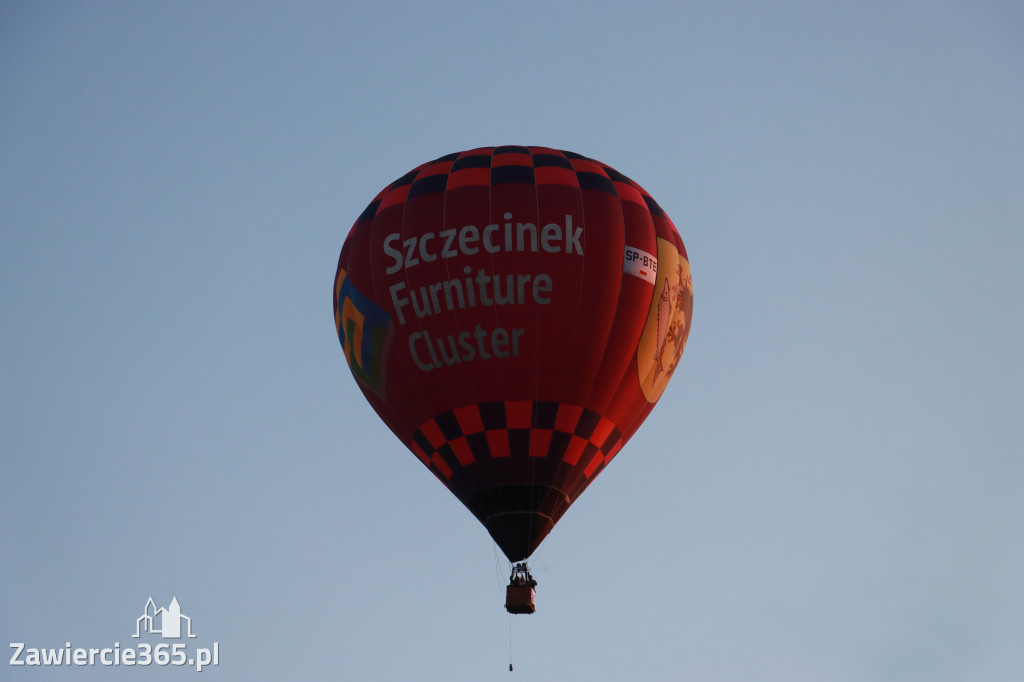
[364,330]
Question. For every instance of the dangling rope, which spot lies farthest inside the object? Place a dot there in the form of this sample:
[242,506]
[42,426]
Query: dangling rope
[501,584]
[497,567]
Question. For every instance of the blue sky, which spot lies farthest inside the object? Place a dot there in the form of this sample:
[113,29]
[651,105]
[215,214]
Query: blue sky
[839,457]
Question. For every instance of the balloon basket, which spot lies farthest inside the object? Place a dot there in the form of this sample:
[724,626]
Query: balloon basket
[521,593]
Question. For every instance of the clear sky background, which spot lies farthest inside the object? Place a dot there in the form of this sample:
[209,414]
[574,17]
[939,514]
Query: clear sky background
[831,489]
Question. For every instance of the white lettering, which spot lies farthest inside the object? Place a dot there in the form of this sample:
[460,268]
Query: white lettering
[413,338]
[468,352]
[163,654]
[508,232]
[464,347]
[458,294]
[489,245]
[410,246]
[468,240]
[394,253]
[449,237]
[499,340]
[550,236]
[574,240]
[468,236]
[203,658]
[397,301]
[542,285]
[522,230]
[426,257]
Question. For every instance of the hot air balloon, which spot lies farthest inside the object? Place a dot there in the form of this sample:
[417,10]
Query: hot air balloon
[513,314]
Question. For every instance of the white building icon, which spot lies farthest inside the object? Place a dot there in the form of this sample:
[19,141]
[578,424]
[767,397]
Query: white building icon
[163,622]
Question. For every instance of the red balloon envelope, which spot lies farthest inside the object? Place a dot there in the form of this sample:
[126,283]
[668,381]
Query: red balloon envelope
[513,314]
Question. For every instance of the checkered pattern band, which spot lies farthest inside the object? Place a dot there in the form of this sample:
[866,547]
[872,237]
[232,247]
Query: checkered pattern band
[510,164]
[460,437]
